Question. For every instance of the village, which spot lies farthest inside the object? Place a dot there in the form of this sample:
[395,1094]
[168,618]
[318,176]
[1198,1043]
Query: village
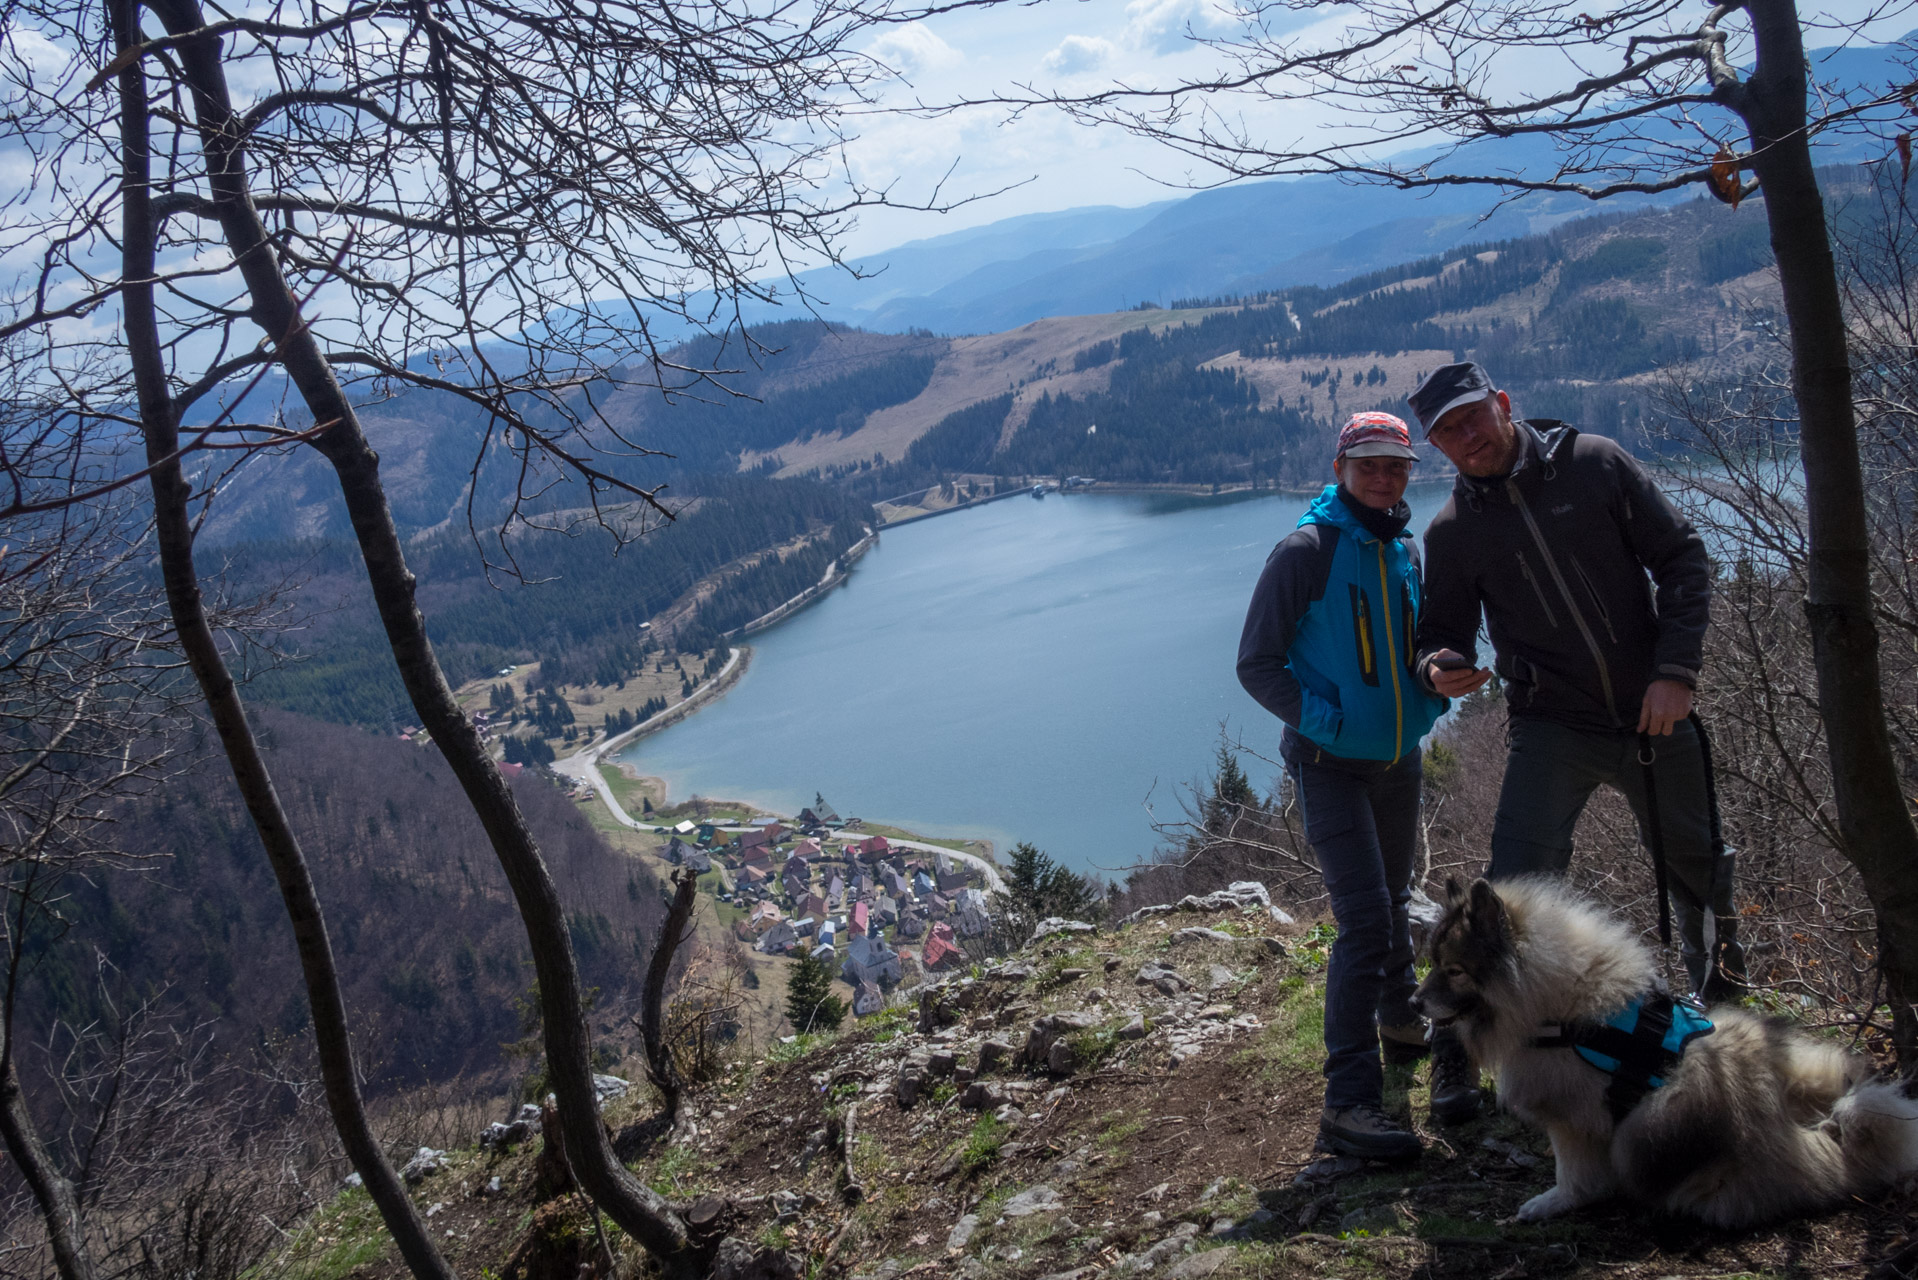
[860,902]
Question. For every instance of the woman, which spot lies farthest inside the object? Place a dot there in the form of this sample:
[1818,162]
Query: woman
[1327,648]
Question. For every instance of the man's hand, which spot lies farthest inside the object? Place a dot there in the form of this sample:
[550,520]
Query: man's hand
[1457,682]
[1666,703]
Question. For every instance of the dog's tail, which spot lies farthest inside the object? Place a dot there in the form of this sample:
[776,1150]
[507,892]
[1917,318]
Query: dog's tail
[1876,1127]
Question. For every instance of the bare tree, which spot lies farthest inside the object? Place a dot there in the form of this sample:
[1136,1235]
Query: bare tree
[84,725]
[1635,98]
[496,204]
[1749,499]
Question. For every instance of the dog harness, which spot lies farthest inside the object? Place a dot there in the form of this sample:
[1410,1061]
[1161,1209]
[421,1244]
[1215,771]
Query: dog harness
[1638,1046]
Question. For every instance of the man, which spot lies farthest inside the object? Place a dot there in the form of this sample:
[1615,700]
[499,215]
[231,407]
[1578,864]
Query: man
[1550,535]
[1327,648]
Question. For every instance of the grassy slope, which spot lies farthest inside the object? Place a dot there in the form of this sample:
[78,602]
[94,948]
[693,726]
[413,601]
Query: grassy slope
[1138,1150]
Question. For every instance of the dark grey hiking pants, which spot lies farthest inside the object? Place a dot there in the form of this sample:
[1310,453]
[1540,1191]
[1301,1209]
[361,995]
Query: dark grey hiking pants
[1362,820]
[1552,769]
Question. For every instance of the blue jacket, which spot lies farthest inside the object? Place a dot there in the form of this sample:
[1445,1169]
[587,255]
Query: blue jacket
[1327,646]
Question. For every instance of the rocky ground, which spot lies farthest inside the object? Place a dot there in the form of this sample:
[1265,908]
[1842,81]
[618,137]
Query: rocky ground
[1136,1102]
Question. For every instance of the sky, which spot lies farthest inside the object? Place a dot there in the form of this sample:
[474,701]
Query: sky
[1048,162]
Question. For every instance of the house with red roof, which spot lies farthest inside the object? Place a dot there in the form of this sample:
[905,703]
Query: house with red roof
[941,950]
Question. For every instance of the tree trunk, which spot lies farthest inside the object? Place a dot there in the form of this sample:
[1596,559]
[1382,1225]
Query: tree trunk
[174,536]
[52,1191]
[652,1030]
[638,1210]
[1879,837]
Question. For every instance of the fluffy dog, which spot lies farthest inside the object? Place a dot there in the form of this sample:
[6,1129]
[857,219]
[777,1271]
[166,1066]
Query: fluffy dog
[1756,1121]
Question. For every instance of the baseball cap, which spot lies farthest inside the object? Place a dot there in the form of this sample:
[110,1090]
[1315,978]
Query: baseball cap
[1375,435]
[1446,388]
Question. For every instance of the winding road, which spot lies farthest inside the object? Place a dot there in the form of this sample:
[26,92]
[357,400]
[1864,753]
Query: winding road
[583,766]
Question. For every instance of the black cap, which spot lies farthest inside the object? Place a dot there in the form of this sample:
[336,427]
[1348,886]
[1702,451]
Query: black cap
[1446,388]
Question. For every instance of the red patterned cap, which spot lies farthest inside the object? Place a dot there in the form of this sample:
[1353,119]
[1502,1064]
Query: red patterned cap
[1376,435]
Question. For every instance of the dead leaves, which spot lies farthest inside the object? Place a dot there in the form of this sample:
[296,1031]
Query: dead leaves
[1723,178]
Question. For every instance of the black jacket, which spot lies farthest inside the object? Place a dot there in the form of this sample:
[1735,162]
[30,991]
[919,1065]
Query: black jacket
[1555,557]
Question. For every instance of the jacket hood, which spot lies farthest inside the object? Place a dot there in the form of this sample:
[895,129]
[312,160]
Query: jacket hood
[1541,441]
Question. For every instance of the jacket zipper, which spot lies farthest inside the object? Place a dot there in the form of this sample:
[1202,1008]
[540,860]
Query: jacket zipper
[1525,568]
[1392,661]
[1604,614]
[1584,629]
[1362,631]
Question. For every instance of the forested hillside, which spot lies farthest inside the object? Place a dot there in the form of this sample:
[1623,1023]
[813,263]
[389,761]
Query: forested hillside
[431,952]
[1576,324]
[581,599]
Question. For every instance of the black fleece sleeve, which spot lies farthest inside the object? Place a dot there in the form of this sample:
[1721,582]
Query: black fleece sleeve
[1450,608]
[1294,577]
[1672,552]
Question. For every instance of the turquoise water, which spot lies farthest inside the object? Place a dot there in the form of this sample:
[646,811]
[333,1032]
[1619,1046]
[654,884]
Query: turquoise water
[1026,670]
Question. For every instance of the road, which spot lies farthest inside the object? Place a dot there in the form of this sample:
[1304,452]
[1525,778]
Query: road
[583,766]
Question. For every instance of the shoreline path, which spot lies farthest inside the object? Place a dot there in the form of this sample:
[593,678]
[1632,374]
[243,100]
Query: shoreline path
[583,766]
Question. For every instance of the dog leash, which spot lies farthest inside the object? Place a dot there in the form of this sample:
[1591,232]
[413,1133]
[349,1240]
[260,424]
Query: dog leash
[1655,834]
[1655,837]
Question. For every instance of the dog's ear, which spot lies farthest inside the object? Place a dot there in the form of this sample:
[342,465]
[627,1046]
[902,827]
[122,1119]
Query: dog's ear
[1485,912]
[1454,891]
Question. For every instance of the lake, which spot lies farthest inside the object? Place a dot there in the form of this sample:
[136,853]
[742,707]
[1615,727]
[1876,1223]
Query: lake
[1055,671]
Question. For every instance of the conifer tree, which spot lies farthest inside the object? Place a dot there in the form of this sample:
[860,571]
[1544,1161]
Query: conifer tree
[810,1004]
[1232,793]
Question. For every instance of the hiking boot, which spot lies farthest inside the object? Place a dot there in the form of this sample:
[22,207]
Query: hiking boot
[1404,1045]
[1455,1092]
[1368,1133]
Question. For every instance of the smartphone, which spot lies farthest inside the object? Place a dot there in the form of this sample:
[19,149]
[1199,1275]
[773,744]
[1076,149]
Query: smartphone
[1451,664]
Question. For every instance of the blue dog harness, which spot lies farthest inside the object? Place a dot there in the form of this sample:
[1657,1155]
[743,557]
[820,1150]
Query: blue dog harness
[1638,1046]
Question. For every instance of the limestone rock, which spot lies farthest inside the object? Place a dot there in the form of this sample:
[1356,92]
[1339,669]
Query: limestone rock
[1135,1029]
[993,1056]
[1054,1027]
[606,1088]
[1240,895]
[914,1076]
[1163,977]
[1199,1264]
[425,1163]
[738,1260]
[497,1136]
[1199,933]
[1159,1254]
[1039,1199]
[935,1011]
[982,1096]
[962,1233]
[1054,925]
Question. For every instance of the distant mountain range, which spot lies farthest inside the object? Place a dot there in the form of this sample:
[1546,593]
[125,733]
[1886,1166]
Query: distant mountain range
[1237,239]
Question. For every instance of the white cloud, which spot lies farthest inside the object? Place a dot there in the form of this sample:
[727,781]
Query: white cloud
[1075,54]
[1161,26]
[914,49]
